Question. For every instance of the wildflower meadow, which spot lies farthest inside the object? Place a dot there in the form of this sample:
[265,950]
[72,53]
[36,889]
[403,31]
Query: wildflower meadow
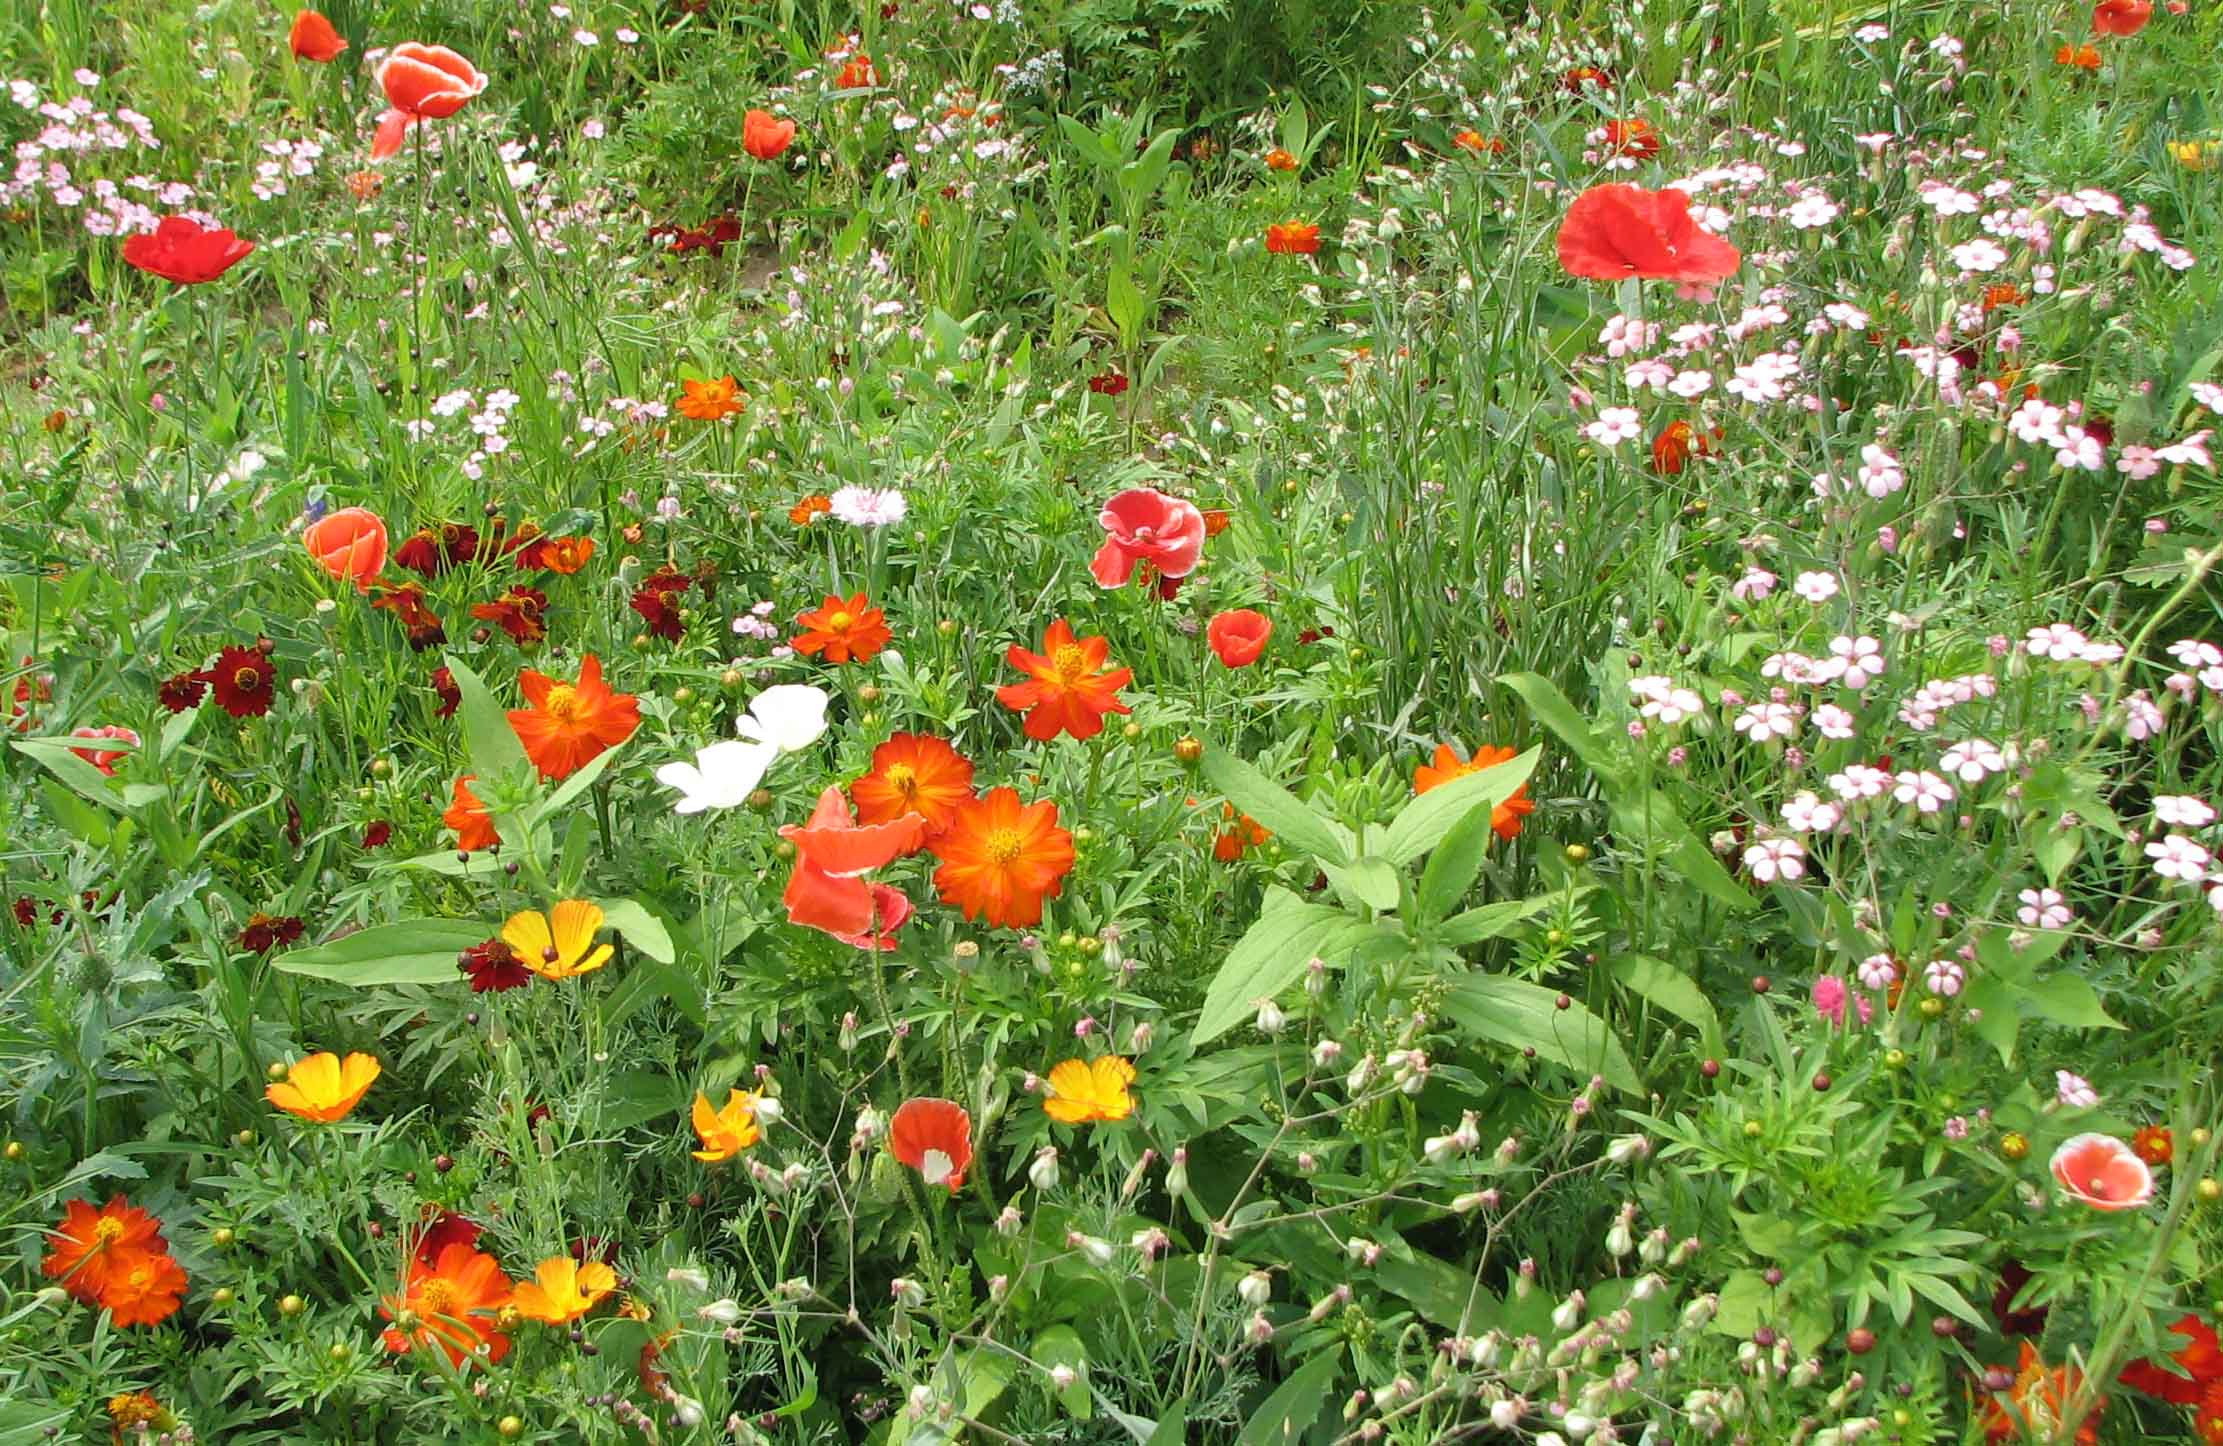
[1135,722]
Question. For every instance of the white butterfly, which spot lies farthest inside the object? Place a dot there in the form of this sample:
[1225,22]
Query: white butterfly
[723,775]
[790,717]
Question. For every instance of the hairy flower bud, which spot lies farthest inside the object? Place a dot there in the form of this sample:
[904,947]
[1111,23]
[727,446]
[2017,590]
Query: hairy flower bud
[1255,1289]
[1042,1173]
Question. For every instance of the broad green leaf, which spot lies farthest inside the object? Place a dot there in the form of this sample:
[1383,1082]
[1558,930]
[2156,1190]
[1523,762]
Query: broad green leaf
[1173,1426]
[1289,1413]
[635,1096]
[80,776]
[643,930]
[1488,921]
[1527,1016]
[1366,880]
[1060,1345]
[1551,708]
[1456,858]
[413,951]
[491,744]
[1124,304]
[1674,991]
[579,782]
[1995,1017]
[1287,935]
[2065,998]
[1276,807]
[1423,823]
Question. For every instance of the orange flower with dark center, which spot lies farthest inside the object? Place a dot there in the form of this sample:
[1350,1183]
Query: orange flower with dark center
[810,509]
[843,630]
[244,681]
[1001,858]
[1069,689]
[568,725]
[1293,238]
[709,401]
[1505,819]
[561,555]
[419,623]
[91,1247]
[522,612]
[914,773]
[1584,76]
[450,1304]
[2154,1144]
[1632,137]
[2032,1407]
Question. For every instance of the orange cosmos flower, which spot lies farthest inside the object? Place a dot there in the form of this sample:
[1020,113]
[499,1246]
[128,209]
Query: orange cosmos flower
[2154,1144]
[1278,159]
[914,773]
[473,825]
[843,631]
[1242,834]
[1676,444]
[1505,819]
[568,725]
[1070,691]
[450,1303]
[1478,143]
[93,1248]
[810,509]
[726,1132]
[562,1290]
[1001,858]
[708,401]
[144,1290]
[935,1138]
[1293,238]
[2033,1405]
[2082,57]
[323,1087]
[1084,1090]
[828,891]
[561,555]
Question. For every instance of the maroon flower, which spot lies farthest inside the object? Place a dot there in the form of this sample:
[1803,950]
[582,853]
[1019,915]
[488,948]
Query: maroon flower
[522,612]
[265,932]
[182,693]
[2027,1321]
[1108,384]
[378,835]
[493,967]
[244,681]
[451,696]
[654,602]
[441,1231]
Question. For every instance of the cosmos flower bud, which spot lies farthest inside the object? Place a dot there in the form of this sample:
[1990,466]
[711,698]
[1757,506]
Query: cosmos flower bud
[1684,1250]
[999,1286]
[1328,1304]
[1524,1279]
[1507,1413]
[849,1031]
[1477,1200]
[1138,1039]
[1652,1249]
[1361,1075]
[1646,1286]
[1625,1148]
[1316,976]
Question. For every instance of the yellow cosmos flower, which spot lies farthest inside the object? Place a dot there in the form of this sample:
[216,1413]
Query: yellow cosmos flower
[323,1087]
[560,943]
[1082,1090]
[727,1132]
[563,1290]
[2196,155]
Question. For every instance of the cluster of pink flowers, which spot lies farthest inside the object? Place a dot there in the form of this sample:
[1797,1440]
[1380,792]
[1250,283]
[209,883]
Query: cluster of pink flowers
[56,165]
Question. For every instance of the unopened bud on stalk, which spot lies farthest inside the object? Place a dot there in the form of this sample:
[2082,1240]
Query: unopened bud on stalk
[1177,1173]
[1008,1223]
[1042,1173]
[907,1292]
[1097,1249]
[1568,1311]
[1135,1176]
[1259,1330]
[1652,1249]
[1524,1279]
[1625,1148]
[1255,1289]
[1316,976]
[1699,1312]
[1361,1075]
[1270,1018]
[1329,1304]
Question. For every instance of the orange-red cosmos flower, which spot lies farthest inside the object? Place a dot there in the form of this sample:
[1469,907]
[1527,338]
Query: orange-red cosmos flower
[1584,76]
[1241,835]
[1293,238]
[1238,636]
[914,773]
[144,1289]
[858,74]
[422,82]
[560,555]
[2080,57]
[2154,1144]
[94,1252]
[2121,17]
[1478,143]
[451,1304]
[473,825]
[2032,1406]
[1278,159]
[1001,858]
[2200,1360]
[350,544]
[314,38]
[765,135]
[568,725]
[1632,137]
[710,400]
[935,1138]
[2102,1172]
[1505,819]
[828,891]
[843,631]
[1617,231]
[1070,691]
[810,509]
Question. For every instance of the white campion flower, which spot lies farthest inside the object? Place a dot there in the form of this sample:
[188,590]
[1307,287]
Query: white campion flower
[1776,858]
[2044,909]
[2177,857]
[1925,791]
[790,717]
[723,775]
[2183,811]
[1973,760]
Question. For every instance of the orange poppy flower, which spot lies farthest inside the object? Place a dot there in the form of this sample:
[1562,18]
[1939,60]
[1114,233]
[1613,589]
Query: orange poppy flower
[571,724]
[1238,636]
[350,544]
[2033,1405]
[323,1087]
[1505,819]
[473,825]
[450,1303]
[1001,859]
[914,773]
[828,891]
[935,1138]
[810,509]
[1293,238]
[422,82]
[1278,159]
[765,135]
[91,1248]
[2102,1172]
[707,401]
[1070,692]
[843,631]
[314,38]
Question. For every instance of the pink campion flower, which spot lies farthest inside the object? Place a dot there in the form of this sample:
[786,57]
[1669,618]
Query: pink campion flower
[1857,660]
[1880,475]
[1816,587]
[1754,586]
[1776,858]
[1142,525]
[1761,722]
[1924,791]
[2192,451]
[2195,654]
[2102,1172]
[1614,426]
[1804,813]
[2136,462]
[1832,722]
[2074,1091]
[1878,971]
[1859,782]
[2044,909]
[2078,450]
[2182,810]
[1944,977]
[2141,717]
[2177,857]
[1973,760]
[2056,640]
[2037,422]
[2208,395]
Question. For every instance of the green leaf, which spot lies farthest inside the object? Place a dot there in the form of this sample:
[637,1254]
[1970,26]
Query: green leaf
[1551,708]
[1276,807]
[1650,817]
[1488,921]
[1423,823]
[1674,991]
[1287,935]
[643,930]
[1060,1345]
[1527,1016]
[1368,881]
[579,782]
[1295,1405]
[1457,857]
[1125,305]
[1173,1426]
[81,777]
[635,1096]
[413,951]
[2066,998]
[488,740]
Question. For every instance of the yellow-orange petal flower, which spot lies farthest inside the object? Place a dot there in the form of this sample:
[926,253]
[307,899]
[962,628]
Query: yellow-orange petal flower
[562,1290]
[726,1132]
[558,944]
[1082,1090]
[324,1087]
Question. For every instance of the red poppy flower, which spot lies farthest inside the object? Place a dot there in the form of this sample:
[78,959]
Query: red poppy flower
[444,687]
[654,602]
[182,692]
[467,816]
[858,74]
[765,135]
[935,1138]
[1615,231]
[181,250]
[522,612]
[315,39]
[1068,688]
[1293,238]
[493,967]
[2121,17]
[422,82]
[833,853]
[1239,636]
[1633,137]
[1143,524]
[350,544]
[244,681]
[105,759]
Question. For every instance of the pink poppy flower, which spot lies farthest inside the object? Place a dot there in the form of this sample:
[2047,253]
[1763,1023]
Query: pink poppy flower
[2103,1172]
[105,759]
[1142,524]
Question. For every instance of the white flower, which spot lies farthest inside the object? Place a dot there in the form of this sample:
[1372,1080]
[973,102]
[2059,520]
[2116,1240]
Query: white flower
[1944,977]
[1816,587]
[2056,640]
[790,717]
[1776,858]
[1861,658]
[723,775]
[1979,255]
[865,507]
[1763,721]
[2044,909]
[1927,792]
[1877,971]
[2183,811]
[2177,857]
[1614,426]
[1831,721]
[1858,782]
[1973,760]
[1804,813]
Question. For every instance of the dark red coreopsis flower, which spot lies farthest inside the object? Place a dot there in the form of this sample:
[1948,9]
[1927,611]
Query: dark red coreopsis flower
[451,696]
[419,622]
[244,681]
[522,612]
[1108,384]
[183,692]
[493,967]
[265,932]
[378,834]
[654,602]
[26,910]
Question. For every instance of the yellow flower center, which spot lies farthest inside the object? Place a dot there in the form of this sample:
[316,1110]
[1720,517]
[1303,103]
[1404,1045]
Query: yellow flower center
[437,1297]
[1069,663]
[1004,845]
[904,780]
[108,1231]
[840,622]
[562,703]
